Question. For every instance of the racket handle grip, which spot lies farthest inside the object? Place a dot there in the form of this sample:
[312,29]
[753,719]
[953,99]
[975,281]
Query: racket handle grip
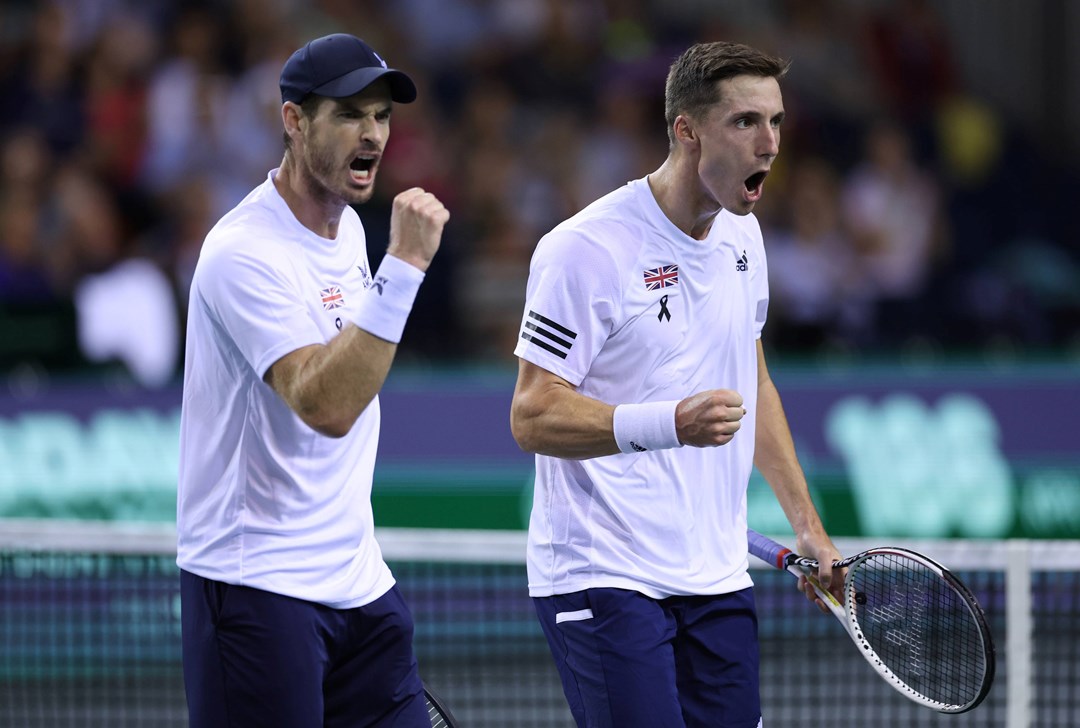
[766,549]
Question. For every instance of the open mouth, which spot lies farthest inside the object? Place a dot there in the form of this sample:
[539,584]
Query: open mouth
[753,185]
[754,181]
[361,168]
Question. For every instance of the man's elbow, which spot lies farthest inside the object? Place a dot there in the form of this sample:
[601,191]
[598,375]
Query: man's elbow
[523,427]
[328,419]
[328,426]
[335,430]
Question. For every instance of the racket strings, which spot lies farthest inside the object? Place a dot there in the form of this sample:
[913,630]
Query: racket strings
[921,628]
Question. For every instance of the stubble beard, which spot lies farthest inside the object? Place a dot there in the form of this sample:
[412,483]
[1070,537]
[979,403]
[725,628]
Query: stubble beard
[326,178]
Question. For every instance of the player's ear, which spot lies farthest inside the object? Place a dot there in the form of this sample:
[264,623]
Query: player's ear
[684,130]
[292,116]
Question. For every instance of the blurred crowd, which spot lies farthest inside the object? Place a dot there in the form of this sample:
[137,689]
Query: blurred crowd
[898,217]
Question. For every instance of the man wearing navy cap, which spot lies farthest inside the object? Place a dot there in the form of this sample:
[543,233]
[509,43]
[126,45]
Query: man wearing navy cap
[290,615]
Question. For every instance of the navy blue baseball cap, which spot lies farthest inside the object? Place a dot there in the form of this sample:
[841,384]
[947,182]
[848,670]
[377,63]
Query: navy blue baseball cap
[340,65]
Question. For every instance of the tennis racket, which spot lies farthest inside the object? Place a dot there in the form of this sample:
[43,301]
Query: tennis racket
[440,715]
[913,621]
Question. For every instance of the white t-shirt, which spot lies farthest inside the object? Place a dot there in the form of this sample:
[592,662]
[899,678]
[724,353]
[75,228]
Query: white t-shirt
[630,309]
[264,500]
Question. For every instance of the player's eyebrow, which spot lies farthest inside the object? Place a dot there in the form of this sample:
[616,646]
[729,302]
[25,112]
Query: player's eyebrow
[758,116]
[359,106]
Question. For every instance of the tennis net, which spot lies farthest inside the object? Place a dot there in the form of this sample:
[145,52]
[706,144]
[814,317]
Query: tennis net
[90,632]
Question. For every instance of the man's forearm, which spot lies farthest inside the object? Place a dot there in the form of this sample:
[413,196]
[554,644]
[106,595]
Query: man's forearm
[776,459]
[329,386]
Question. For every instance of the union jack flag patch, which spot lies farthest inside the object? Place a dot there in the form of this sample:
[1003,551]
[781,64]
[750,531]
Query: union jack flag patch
[332,298]
[662,277]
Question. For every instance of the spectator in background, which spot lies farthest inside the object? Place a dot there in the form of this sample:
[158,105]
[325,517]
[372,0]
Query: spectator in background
[831,91]
[617,138]
[818,295]
[43,88]
[253,133]
[892,208]
[25,273]
[909,53]
[177,235]
[118,64]
[186,110]
[83,232]
[24,276]
[488,132]
[490,286]
[124,304]
[535,103]
[549,186]
[128,314]
[421,157]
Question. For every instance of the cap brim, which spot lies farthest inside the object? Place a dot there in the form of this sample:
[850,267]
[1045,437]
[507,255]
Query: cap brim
[402,89]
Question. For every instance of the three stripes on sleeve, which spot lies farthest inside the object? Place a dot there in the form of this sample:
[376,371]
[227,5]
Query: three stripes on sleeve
[548,335]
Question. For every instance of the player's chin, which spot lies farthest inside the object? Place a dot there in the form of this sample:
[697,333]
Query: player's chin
[358,195]
[740,207]
[748,197]
[361,184]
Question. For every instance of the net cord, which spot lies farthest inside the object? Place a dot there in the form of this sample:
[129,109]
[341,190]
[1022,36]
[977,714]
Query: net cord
[500,547]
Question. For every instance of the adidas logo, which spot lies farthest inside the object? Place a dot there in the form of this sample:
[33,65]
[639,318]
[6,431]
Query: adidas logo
[742,264]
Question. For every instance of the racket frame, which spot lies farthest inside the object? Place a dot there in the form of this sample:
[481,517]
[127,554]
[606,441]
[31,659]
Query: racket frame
[438,713]
[846,613]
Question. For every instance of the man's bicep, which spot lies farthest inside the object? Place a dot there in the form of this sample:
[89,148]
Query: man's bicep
[549,416]
[536,394]
[536,383]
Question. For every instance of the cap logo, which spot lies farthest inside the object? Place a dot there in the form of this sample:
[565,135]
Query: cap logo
[379,59]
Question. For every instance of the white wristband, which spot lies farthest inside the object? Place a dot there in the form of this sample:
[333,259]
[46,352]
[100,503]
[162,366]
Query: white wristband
[385,306]
[648,426]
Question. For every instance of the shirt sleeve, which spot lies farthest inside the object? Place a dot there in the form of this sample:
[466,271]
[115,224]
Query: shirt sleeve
[570,304]
[759,279]
[257,303]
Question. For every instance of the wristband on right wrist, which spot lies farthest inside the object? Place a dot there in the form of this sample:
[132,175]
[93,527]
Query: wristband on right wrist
[386,305]
[647,426]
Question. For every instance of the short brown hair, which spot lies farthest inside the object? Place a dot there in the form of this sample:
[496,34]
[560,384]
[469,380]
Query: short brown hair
[693,81]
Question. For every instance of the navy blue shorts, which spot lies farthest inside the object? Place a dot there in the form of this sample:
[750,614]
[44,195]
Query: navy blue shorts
[630,661]
[255,658]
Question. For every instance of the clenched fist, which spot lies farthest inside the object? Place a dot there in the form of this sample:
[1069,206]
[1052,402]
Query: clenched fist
[709,418]
[416,226]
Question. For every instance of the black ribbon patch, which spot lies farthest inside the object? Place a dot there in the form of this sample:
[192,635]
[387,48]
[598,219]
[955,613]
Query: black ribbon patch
[663,310]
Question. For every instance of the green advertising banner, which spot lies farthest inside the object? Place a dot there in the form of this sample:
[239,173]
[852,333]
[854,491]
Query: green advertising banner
[956,452]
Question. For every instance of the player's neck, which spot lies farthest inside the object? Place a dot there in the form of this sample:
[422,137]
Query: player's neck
[681,200]
[321,216]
